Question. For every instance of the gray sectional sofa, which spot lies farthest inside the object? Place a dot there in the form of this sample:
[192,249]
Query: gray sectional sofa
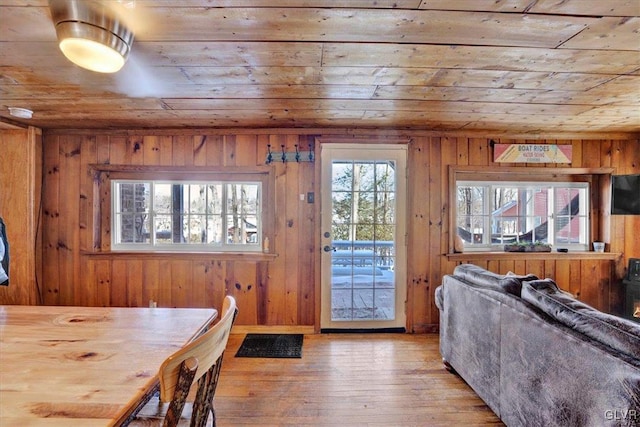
[536,355]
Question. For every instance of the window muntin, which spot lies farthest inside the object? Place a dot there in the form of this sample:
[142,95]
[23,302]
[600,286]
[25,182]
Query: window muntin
[492,214]
[152,215]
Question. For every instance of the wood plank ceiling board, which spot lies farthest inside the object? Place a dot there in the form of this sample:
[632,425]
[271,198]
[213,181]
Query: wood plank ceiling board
[480,57]
[501,66]
[608,34]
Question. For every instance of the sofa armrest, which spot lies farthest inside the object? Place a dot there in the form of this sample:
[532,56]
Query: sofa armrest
[439,298]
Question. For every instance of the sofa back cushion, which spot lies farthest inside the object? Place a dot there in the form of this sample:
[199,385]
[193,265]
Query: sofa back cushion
[615,332]
[509,283]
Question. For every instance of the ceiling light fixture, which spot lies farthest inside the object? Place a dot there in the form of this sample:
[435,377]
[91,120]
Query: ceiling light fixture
[90,36]
[22,113]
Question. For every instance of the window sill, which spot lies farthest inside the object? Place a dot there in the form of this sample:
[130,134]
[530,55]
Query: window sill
[224,256]
[533,255]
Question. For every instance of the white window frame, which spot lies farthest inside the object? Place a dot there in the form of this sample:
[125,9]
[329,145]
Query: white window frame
[153,246]
[487,245]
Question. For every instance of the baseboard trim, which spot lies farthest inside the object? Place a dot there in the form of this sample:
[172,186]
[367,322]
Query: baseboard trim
[363,331]
[272,329]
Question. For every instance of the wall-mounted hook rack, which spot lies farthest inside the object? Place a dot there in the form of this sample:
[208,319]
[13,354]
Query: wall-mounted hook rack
[290,156]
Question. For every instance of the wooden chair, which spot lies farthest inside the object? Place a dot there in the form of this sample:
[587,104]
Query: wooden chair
[201,360]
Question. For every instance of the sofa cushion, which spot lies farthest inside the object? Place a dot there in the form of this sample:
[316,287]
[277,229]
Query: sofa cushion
[615,332]
[509,283]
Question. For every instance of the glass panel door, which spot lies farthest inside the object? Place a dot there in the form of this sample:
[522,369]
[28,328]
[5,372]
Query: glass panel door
[363,236]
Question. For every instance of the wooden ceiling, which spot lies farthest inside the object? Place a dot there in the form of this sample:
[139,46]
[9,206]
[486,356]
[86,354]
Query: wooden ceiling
[530,67]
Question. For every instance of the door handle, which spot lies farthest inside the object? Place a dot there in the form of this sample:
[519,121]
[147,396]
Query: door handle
[328,248]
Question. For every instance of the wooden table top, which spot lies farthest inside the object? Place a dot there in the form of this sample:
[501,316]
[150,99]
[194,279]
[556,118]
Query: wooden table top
[84,366]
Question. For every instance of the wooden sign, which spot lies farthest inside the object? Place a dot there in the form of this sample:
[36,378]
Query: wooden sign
[532,153]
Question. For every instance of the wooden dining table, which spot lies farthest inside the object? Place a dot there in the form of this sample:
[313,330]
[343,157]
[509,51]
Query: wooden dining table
[85,366]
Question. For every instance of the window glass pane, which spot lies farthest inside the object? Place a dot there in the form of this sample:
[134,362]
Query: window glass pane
[342,179]
[131,212]
[364,232]
[470,209]
[162,228]
[340,231]
[363,177]
[213,232]
[385,176]
[506,208]
[241,229]
[384,213]
[341,207]
[384,232]
[522,212]
[363,207]
[570,216]
[162,198]
[196,228]
[250,198]
[214,199]
[180,228]
[134,228]
[197,198]
[242,206]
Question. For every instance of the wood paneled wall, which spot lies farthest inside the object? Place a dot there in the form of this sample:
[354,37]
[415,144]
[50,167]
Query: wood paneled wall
[270,290]
[282,290]
[20,191]
[595,281]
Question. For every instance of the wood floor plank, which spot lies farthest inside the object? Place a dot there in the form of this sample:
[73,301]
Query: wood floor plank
[348,380]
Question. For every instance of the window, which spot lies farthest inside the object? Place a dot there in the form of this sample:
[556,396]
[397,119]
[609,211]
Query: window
[491,214]
[151,215]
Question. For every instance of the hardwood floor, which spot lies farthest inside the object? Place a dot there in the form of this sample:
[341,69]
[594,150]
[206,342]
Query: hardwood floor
[348,380]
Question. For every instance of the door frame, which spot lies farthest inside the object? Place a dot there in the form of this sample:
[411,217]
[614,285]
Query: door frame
[366,151]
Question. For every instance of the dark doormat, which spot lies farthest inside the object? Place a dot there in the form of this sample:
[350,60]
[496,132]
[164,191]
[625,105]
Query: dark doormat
[271,345]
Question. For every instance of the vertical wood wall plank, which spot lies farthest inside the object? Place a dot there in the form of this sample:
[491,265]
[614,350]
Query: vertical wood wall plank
[506,266]
[69,236]
[199,297]
[102,283]
[181,286]
[20,207]
[445,154]
[88,156]
[181,151]
[562,274]
[214,150]
[135,281]
[590,277]
[241,283]
[165,284]
[151,150]
[217,286]
[151,282]
[118,291]
[200,150]
[118,151]
[246,150]
[292,236]
[306,244]
[418,238]
[166,150]
[575,277]
[135,147]
[229,150]
[51,270]
[102,149]
[276,314]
